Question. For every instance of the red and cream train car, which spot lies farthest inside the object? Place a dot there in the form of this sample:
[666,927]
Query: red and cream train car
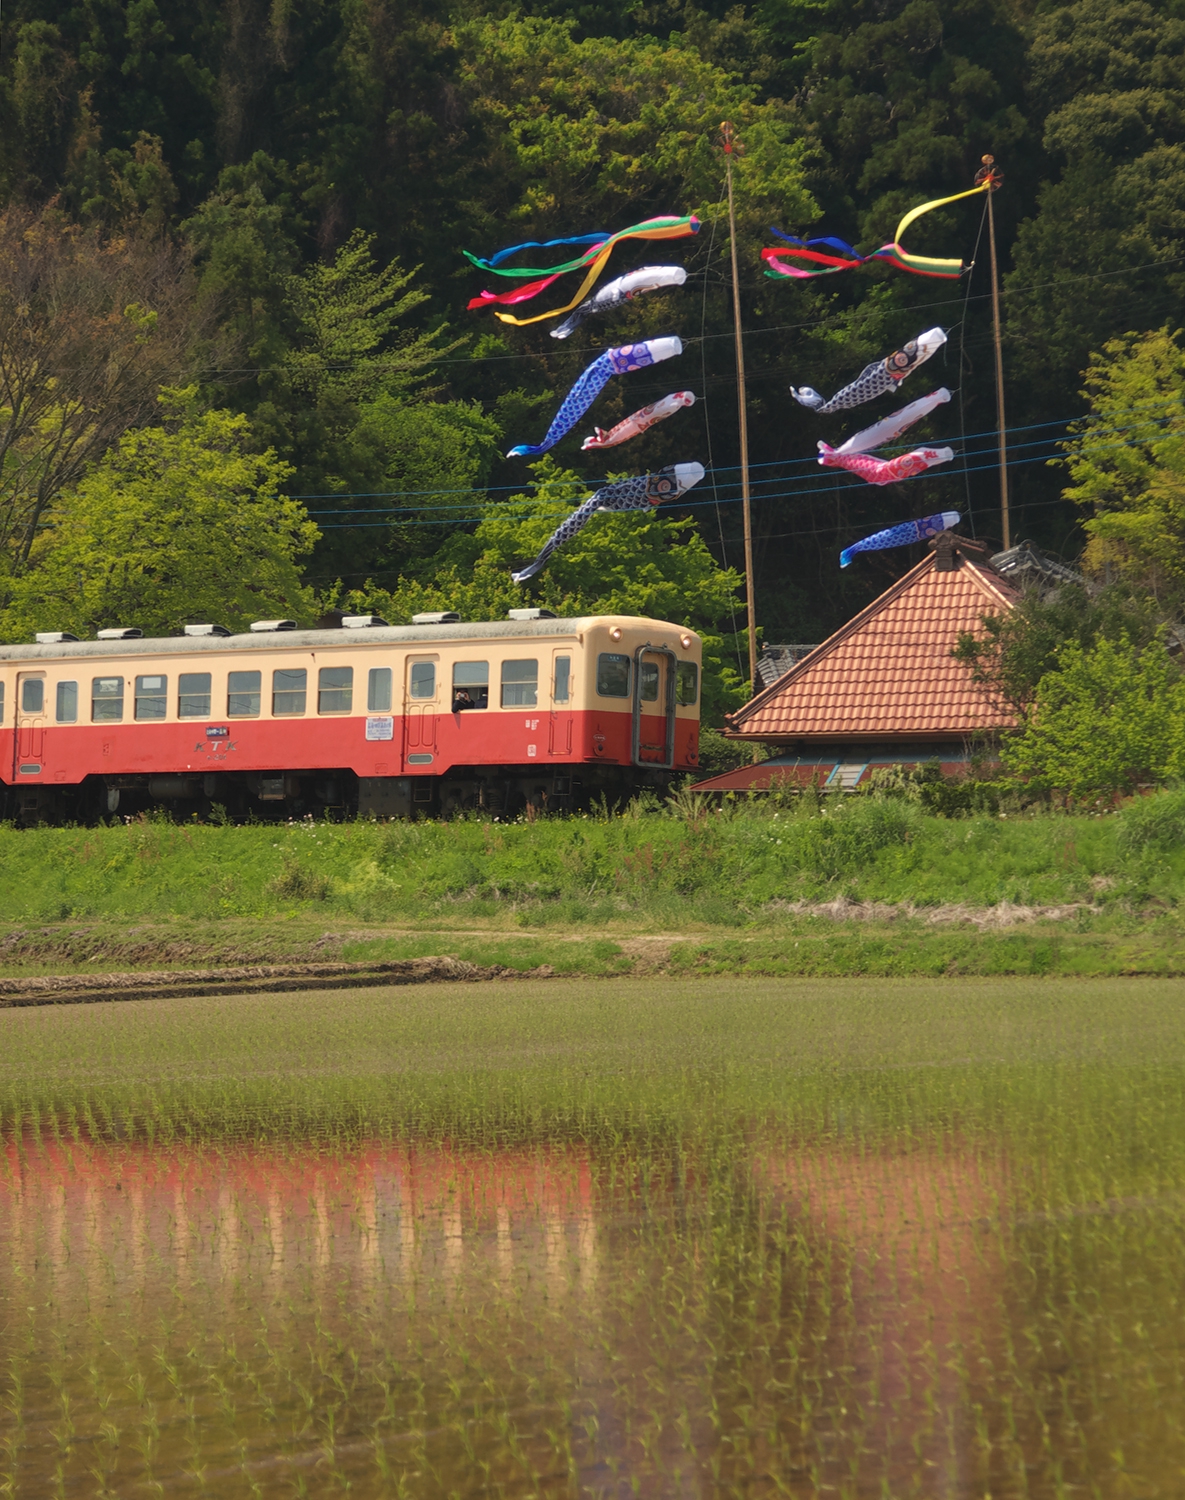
[394,721]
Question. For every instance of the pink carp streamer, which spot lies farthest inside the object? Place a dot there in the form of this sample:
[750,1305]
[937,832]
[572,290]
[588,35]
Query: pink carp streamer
[639,422]
[885,470]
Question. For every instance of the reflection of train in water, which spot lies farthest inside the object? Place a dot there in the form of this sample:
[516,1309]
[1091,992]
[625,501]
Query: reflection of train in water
[395,721]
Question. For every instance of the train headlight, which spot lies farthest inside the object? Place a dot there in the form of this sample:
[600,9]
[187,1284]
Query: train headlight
[615,633]
[685,642]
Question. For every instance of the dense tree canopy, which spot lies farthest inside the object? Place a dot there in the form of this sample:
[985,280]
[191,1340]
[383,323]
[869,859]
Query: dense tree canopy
[277,195]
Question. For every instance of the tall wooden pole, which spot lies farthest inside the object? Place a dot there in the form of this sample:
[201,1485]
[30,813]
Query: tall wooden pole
[991,176]
[731,148]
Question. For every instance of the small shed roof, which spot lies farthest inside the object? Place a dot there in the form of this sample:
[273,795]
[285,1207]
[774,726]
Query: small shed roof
[888,674]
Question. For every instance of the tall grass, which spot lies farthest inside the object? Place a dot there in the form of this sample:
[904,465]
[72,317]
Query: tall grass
[686,863]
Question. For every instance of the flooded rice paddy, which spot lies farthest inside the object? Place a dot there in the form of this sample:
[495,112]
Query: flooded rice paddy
[697,1239]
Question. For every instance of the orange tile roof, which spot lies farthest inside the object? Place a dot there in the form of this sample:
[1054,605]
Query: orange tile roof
[888,673]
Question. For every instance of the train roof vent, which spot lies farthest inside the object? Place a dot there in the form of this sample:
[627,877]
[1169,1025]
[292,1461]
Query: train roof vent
[260,626]
[362,622]
[54,637]
[440,617]
[121,633]
[206,630]
[530,614]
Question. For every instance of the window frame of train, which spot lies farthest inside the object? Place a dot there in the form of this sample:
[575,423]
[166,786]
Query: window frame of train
[379,687]
[417,678]
[335,690]
[66,703]
[107,700]
[608,663]
[686,672]
[195,695]
[150,697]
[520,682]
[290,697]
[33,688]
[244,687]
[561,678]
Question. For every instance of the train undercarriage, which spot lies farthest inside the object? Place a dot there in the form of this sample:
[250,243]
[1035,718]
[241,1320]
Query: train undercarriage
[497,792]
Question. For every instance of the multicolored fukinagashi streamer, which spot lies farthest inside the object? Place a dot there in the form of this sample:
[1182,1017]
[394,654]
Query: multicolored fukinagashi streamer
[827,255]
[902,535]
[641,493]
[619,361]
[663,227]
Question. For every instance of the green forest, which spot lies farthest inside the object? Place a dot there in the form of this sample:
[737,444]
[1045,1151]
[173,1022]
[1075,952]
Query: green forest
[240,379]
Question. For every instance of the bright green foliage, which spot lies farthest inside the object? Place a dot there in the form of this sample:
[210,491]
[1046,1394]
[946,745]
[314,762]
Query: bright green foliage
[179,522]
[1104,721]
[1127,462]
[585,132]
[653,564]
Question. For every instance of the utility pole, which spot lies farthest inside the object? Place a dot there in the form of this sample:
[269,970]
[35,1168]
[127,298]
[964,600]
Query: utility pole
[988,174]
[733,147]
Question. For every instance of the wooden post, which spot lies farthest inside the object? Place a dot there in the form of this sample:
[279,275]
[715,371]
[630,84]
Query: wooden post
[990,175]
[732,147]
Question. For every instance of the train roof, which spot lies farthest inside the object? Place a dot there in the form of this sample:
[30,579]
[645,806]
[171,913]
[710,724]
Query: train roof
[436,634]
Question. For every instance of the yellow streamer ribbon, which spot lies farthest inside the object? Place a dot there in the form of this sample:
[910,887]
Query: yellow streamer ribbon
[924,208]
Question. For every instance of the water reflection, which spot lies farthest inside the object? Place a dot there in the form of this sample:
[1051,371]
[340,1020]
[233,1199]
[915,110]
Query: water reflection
[754,1313]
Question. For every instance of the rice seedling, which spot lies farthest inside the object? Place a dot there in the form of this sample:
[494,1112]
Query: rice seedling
[609,1239]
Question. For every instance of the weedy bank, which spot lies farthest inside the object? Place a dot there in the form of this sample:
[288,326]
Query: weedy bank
[603,1239]
[859,884]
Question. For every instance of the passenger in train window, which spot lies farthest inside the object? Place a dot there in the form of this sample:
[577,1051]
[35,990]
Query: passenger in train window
[471,685]
[67,703]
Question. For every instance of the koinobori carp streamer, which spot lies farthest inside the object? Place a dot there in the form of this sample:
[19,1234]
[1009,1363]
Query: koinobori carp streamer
[619,361]
[641,493]
[902,535]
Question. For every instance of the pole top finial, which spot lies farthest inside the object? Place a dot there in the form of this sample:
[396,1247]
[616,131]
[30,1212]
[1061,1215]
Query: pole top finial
[988,175]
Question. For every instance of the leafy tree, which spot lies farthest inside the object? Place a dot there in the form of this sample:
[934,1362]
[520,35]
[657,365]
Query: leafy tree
[653,564]
[1127,461]
[1105,720]
[176,523]
[89,328]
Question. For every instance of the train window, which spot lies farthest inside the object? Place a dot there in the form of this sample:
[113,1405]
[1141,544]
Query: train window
[686,683]
[106,700]
[561,688]
[648,681]
[152,697]
[378,691]
[335,690]
[243,692]
[33,695]
[67,704]
[423,679]
[520,684]
[193,695]
[471,685]
[290,687]
[613,675]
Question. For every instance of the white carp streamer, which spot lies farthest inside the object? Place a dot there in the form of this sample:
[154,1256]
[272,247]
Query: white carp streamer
[639,422]
[624,289]
[892,427]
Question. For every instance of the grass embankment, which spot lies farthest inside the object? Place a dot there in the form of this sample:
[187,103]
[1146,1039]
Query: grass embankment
[861,885]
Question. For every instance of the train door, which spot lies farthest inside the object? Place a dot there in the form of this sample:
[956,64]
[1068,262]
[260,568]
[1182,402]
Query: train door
[559,730]
[421,698]
[654,706]
[30,717]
